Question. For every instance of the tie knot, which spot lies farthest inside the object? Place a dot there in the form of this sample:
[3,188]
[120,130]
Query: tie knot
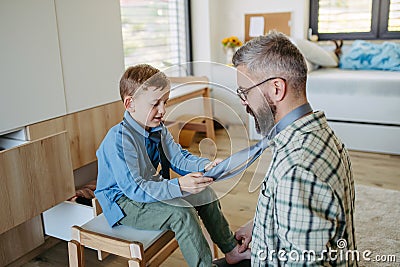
[155,136]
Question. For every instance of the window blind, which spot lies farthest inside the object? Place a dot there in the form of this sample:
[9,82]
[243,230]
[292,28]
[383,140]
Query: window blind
[394,16]
[155,32]
[341,16]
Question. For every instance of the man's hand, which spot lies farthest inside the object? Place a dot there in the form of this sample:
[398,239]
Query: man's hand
[194,182]
[212,164]
[243,235]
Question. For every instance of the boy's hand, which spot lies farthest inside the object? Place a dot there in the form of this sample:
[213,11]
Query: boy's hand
[194,182]
[212,164]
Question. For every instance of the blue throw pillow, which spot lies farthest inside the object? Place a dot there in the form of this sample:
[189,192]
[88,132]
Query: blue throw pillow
[368,56]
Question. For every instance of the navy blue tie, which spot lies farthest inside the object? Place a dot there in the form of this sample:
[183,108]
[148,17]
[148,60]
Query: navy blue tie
[165,164]
[155,137]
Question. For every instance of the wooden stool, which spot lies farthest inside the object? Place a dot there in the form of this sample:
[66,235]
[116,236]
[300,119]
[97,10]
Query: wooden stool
[141,248]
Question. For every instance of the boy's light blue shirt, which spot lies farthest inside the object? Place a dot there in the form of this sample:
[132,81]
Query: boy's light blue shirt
[124,168]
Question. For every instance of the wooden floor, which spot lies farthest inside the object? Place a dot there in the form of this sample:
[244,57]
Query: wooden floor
[239,195]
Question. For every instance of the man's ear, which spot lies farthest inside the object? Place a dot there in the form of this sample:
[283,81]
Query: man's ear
[129,105]
[279,90]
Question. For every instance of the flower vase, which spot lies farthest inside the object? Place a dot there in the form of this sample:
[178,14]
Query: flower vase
[229,51]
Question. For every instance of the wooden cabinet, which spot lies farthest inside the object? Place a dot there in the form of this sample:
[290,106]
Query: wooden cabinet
[57,57]
[34,177]
[31,79]
[21,240]
[86,129]
[37,175]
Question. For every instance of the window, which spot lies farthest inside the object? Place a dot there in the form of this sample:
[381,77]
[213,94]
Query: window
[156,32]
[355,19]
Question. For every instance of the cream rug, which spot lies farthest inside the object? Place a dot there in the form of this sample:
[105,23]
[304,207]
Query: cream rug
[377,219]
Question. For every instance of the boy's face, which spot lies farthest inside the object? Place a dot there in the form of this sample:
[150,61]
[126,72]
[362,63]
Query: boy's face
[148,106]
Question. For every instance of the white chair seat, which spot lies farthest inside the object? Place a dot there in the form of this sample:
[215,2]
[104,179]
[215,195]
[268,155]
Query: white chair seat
[99,225]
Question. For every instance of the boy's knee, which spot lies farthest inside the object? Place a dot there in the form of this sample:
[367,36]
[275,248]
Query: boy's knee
[185,218]
[210,194]
[185,214]
[205,197]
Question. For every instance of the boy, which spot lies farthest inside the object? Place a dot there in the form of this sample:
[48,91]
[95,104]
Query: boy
[132,193]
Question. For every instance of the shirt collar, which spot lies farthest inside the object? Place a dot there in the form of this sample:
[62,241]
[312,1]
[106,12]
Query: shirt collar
[289,118]
[313,121]
[138,128]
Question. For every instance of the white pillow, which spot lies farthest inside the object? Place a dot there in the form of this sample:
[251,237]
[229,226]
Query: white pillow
[311,66]
[316,54]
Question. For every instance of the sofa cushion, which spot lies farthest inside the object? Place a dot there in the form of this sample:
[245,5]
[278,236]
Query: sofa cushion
[316,54]
[370,56]
[311,66]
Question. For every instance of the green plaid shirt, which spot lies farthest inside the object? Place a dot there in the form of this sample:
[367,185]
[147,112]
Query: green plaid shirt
[306,203]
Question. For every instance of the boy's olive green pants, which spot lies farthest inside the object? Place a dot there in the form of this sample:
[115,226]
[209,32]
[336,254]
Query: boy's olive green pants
[182,217]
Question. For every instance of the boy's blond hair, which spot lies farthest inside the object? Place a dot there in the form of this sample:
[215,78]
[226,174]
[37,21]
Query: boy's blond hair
[142,75]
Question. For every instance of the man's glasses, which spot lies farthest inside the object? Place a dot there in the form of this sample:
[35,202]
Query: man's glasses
[242,92]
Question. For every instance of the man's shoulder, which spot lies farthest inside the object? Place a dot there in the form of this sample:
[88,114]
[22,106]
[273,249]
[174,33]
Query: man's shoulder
[315,154]
[317,140]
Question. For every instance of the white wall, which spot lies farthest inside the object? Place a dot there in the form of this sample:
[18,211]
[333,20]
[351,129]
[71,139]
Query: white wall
[201,37]
[213,20]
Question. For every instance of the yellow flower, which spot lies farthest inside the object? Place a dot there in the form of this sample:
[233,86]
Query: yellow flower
[232,41]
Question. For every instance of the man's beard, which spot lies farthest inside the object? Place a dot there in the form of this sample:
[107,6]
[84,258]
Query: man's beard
[264,117]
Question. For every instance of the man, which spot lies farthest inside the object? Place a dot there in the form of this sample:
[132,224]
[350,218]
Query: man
[304,214]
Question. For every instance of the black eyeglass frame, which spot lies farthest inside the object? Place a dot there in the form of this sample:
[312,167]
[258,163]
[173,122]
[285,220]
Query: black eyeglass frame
[242,92]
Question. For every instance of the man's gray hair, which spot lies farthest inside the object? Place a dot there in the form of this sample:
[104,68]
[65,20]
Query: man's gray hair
[274,55]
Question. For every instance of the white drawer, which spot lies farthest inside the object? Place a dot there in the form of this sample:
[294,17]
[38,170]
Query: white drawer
[59,219]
